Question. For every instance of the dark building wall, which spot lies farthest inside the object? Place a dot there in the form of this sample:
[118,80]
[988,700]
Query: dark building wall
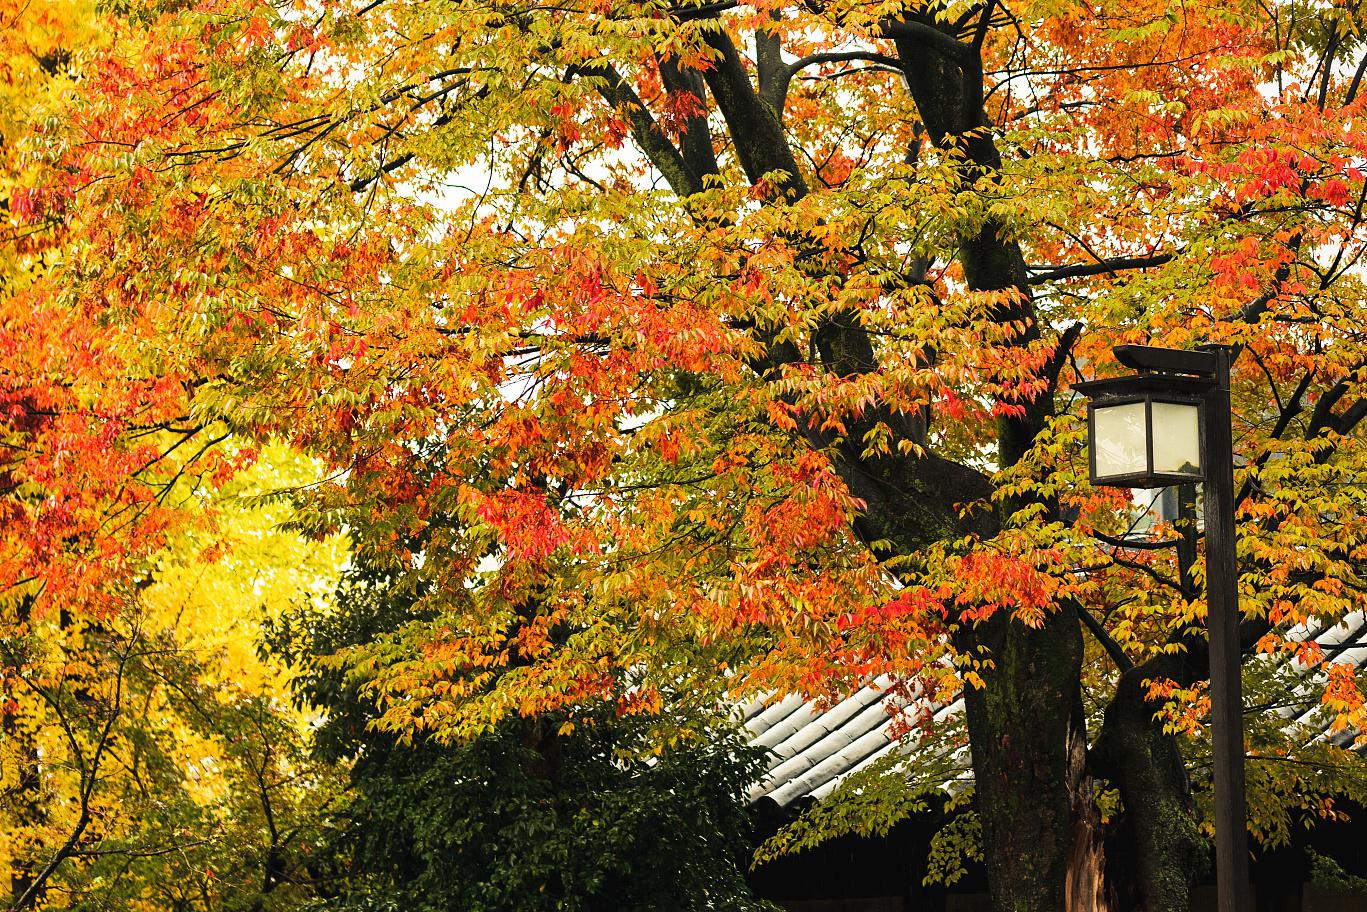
[884,873]
[860,874]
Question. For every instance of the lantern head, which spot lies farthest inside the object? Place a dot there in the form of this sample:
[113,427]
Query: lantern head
[1145,431]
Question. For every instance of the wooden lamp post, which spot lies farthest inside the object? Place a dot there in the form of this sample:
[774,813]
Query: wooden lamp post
[1169,424]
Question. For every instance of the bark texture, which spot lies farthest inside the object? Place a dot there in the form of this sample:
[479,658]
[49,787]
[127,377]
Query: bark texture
[1020,726]
[1157,850]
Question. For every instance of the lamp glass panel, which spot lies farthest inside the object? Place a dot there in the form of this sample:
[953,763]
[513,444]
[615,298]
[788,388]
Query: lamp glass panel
[1176,438]
[1118,433]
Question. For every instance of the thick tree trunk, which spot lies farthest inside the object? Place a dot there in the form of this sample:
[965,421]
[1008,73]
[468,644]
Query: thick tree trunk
[1086,887]
[1026,736]
[1041,834]
[1156,852]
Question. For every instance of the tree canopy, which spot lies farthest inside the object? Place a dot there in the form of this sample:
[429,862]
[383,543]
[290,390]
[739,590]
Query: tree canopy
[724,347]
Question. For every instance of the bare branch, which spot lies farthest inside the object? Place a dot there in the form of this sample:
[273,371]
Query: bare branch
[1108,643]
[1101,267]
[928,36]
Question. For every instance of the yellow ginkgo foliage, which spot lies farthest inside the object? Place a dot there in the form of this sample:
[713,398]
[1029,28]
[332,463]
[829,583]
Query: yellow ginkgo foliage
[154,759]
[220,580]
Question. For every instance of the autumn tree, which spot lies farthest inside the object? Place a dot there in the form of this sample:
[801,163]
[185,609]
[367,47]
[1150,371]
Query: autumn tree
[598,811]
[171,771]
[746,333]
[104,473]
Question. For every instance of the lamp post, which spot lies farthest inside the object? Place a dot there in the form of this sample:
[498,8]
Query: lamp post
[1169,424]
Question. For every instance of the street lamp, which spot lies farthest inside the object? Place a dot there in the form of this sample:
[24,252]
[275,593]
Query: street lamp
[1145,431]
[1169,424]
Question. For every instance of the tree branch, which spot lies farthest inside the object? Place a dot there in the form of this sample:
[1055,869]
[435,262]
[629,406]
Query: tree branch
[770,69]
[652,141]
[1254,309]
[1353,86]
[1062,348]
[755,128]
[1042,274]
[927,36]
[695,140]
[704,11]
[1108,643]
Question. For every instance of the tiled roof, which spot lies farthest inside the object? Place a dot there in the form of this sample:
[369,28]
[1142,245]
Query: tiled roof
[814,751]
[1345,642]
